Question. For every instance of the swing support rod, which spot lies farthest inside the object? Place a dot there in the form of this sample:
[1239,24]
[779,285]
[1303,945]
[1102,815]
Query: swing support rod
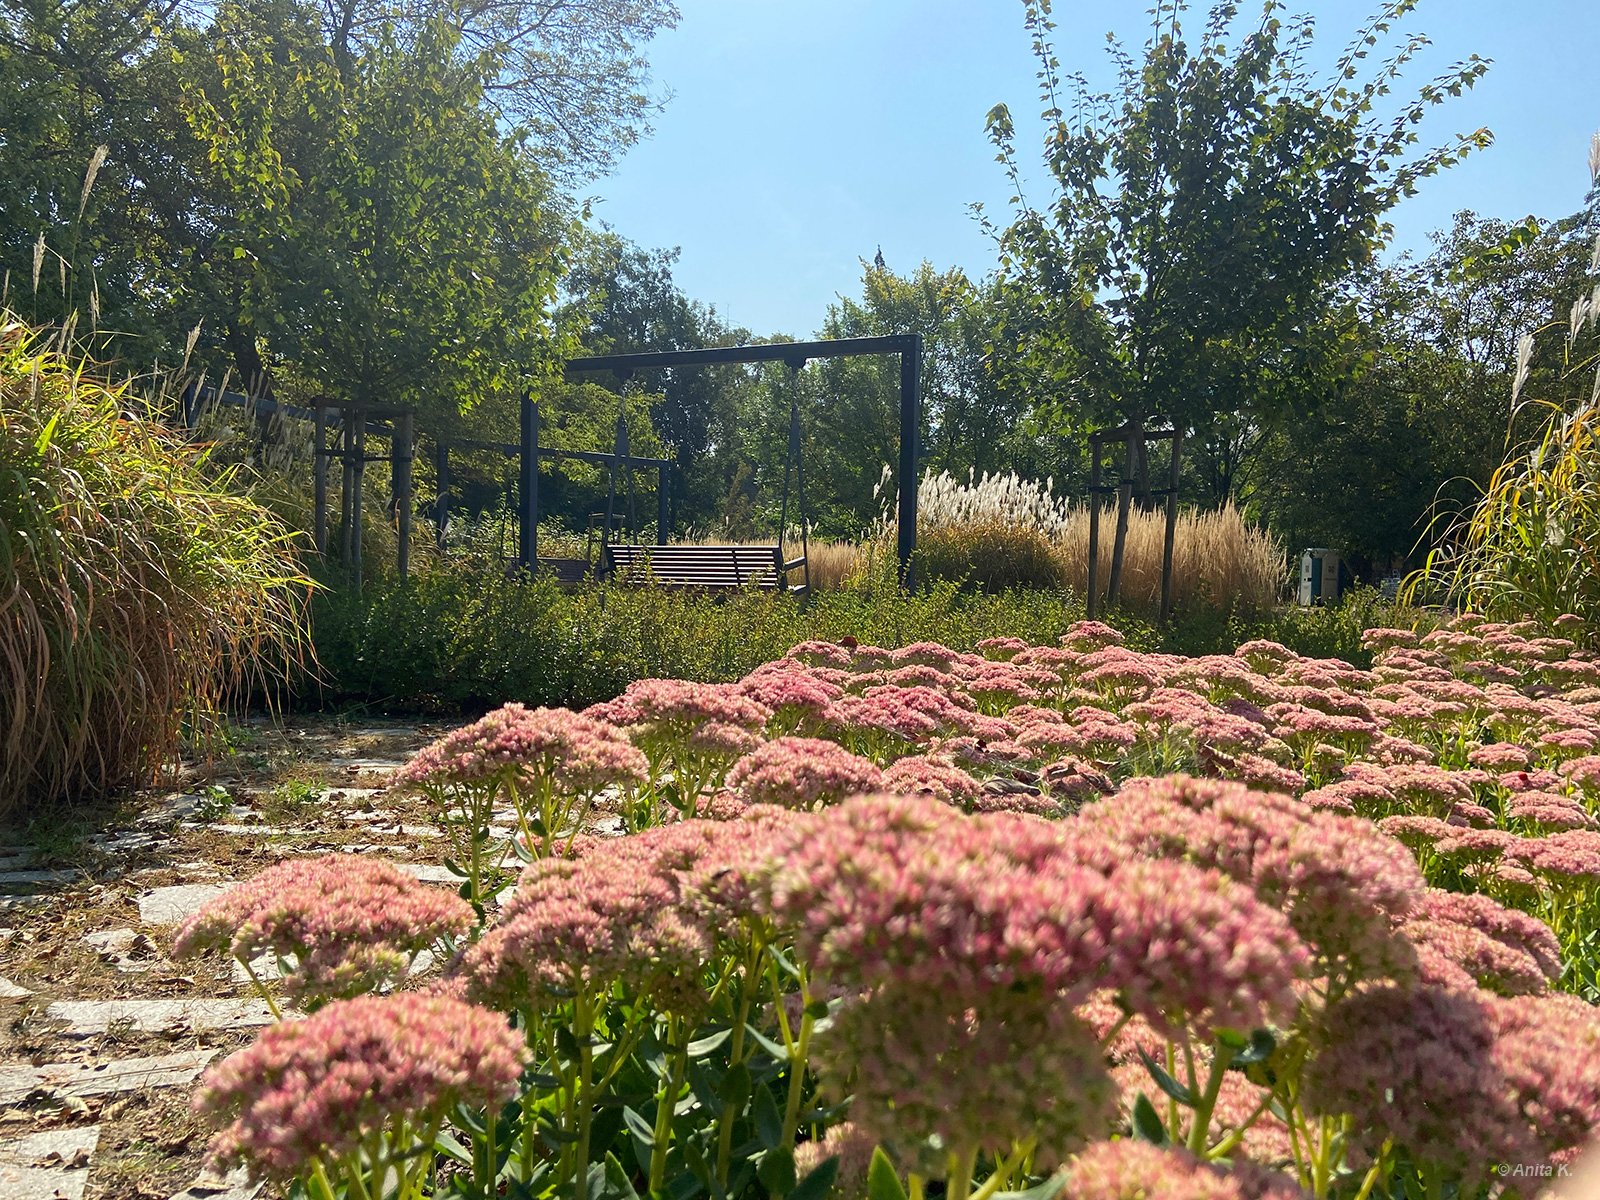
[796,354]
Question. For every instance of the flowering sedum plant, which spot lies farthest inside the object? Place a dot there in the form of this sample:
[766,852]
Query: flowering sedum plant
[1061,920]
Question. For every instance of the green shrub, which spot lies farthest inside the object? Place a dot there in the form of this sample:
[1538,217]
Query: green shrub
[991,555]
[138,589]
[455,638]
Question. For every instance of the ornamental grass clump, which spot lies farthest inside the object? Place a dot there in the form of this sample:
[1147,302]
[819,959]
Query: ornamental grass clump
[144,591]
[350,1101]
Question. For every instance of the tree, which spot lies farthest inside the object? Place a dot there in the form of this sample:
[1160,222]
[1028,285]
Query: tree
[1211,213]
[1427,417]
[387,238]
[971,421]
[624,298]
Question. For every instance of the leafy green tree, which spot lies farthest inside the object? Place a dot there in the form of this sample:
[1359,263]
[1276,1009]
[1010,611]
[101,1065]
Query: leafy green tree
[1209,216]
[391,241]
[1427,416]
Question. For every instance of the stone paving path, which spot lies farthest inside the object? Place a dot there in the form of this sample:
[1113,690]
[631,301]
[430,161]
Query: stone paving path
[102,1034]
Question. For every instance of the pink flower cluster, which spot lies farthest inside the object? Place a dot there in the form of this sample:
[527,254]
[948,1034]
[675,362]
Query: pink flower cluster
[577,753]
[322,1087]
[908,892]
[346,924]
[803,773]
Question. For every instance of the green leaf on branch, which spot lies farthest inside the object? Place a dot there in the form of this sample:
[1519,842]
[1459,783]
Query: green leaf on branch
[776,1171]
[883,1182]
[701,1047]
[1167,1083]
[734,1089]
[608,1181]
[769,1122]
[639,1127]
[1048,1190]
[1262,1044]
[817,1184]
[1147,1122]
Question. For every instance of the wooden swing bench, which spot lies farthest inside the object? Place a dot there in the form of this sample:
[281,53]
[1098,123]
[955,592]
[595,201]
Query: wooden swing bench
[713,568]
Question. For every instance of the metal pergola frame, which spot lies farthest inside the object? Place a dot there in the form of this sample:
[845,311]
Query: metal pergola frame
[796,354]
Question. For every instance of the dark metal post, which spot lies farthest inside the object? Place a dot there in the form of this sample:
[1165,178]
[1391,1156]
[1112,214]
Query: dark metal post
[611,491]
[358,430]
[1093,601]
[910,436]
[528,487]
[1172,526]
[319,482]
[663,503]
[347,481]
[1124,502]
[441,509]
[401,450]
[191,396]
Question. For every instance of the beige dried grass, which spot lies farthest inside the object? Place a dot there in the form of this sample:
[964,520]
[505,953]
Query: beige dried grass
[1002,531]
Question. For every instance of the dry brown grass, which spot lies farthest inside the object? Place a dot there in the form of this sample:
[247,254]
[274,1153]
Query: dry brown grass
[1218,558]
[1003,531]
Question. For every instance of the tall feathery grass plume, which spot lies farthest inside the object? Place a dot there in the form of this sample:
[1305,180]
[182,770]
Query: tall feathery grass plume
[140,592]
[1002,531]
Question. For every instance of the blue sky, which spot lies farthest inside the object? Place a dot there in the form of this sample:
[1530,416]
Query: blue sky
[882,102]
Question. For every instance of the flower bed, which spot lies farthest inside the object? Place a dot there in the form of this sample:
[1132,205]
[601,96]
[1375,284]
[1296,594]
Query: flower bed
[1106,924]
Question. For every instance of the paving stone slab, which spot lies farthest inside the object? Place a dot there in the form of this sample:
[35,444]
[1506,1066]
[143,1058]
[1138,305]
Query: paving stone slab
[235,1185]
[106,1078]
[54,1163]
[115,946]
[169,905]
[85,1018]
[65,876]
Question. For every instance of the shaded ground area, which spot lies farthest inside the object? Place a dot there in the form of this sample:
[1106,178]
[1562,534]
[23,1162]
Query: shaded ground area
[101,1034]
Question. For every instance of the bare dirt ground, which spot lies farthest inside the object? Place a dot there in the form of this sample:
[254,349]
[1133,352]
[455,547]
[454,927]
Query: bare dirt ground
[102,1035]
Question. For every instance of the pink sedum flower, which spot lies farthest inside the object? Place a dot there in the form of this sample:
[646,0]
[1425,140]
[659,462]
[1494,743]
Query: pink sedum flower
[320,1088]
[982,1076]
[616,914]
[349,924]
[803,773]
[1415,1065]
[917,775]
[1133,1170]
[579,754]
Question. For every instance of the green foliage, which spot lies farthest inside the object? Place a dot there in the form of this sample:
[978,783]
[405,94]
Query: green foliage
[457,639]
[1530,545]
[386,236]
[992,556]
[1425,419]
[1208,217]
[142,589]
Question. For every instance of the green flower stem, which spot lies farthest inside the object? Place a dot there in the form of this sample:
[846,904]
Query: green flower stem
[1375,1170]
[1226,1146]
[319,1176]
[583,1030]
[261,989]
[962,1164]
[671,1085]
[1200,1130]
[798,1056]
[752,973]
[914,1187]
[1004,1170]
